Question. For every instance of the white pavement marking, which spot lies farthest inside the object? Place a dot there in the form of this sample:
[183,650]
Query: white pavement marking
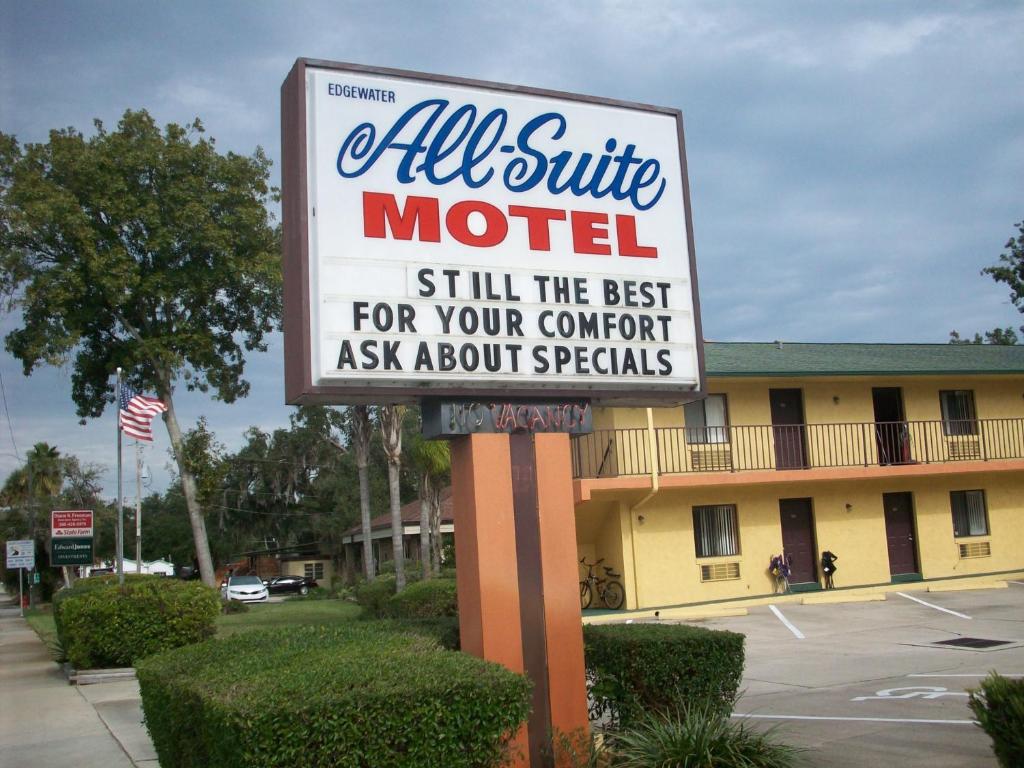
[856,719]
[930,605]
[961,674]
[1020,583]
[789,625]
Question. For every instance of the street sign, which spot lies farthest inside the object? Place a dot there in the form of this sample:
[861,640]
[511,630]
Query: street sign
[71,522]
[71,550]
[21,554]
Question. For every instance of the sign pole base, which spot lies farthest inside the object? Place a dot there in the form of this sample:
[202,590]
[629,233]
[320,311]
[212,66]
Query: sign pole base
[519,605]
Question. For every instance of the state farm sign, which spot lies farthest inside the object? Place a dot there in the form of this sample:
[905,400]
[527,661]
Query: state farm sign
[448,237]
[73,522]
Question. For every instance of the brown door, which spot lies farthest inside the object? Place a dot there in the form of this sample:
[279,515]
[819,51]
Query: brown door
[892,438]
[899,532]
[788,428]
[798,539]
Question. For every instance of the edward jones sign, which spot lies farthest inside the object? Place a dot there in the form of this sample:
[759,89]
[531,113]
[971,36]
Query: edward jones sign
[458,238]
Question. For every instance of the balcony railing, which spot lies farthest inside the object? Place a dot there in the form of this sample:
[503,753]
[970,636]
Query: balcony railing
[620,452]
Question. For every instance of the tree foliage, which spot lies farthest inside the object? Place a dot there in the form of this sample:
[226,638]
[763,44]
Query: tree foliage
[1009,270]
[142,249]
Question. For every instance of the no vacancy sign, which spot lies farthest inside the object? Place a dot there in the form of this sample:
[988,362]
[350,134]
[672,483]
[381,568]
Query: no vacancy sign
[458,238]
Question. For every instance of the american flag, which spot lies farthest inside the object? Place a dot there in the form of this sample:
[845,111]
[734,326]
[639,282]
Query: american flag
[137,412]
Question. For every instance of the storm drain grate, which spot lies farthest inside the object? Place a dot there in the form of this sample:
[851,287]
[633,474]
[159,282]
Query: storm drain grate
[972,642]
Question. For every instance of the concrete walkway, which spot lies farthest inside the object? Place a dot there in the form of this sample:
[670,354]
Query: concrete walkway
[47,723]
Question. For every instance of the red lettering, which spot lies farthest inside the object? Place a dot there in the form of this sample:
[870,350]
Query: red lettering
[380,211]
[625,228]
[538,223]
[457,221]
[585,233]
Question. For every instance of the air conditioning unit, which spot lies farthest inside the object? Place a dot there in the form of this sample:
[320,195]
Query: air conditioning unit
[720,572]
[717,458]
[961,449]
[975,549]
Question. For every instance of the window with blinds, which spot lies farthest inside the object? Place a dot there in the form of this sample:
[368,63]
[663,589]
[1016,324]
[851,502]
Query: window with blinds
[706,420]
[969,514]
[958,415]
[715,531]
[314,570]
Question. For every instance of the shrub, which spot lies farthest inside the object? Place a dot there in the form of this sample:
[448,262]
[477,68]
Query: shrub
[428,599]
[374,595]
[998,704]
[317,696]
[643,668]
[102,625]
[444,631]
[233,606]
[698,737]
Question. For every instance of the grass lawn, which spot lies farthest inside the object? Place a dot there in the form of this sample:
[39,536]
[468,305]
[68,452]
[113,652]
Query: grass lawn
[288,613]
[41,620]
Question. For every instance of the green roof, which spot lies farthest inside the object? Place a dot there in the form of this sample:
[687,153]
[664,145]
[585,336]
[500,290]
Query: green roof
[794,359]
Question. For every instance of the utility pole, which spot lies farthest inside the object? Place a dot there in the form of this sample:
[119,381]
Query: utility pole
[119,555]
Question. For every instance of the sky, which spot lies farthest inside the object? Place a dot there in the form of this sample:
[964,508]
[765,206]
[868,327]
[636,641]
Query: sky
[853,166]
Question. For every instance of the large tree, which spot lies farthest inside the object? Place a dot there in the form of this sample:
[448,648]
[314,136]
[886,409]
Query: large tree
[144,249]
[392,418]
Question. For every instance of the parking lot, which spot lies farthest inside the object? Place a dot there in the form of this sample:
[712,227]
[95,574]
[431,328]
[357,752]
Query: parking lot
[864,684]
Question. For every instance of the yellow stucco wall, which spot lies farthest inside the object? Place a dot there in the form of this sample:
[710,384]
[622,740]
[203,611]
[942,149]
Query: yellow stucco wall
[848,515]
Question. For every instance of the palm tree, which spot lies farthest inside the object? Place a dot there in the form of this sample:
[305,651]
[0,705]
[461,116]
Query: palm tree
[362,430]
[433,462]
[391,418]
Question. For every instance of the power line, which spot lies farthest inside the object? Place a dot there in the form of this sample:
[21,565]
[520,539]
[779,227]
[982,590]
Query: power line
[10,427]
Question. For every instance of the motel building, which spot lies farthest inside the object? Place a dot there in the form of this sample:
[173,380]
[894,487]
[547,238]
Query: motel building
[904,460]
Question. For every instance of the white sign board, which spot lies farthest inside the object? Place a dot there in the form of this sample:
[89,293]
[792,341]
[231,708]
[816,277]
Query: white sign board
[477,238]
[21,554]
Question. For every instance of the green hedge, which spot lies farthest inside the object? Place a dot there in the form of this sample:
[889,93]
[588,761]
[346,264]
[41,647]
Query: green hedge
[317,696]
[429,599]
[444,630]
[639,669]
[101,625]
[999,707]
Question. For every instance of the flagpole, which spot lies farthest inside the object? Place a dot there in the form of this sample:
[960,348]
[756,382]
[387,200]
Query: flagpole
[120,491]
[138,507]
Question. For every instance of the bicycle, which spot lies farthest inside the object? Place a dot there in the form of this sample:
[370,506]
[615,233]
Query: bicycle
[609,591]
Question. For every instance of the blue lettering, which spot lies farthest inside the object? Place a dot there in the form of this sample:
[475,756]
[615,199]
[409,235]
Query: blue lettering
[445,146]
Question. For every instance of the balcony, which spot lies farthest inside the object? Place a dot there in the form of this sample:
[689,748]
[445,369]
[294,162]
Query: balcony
[680,450]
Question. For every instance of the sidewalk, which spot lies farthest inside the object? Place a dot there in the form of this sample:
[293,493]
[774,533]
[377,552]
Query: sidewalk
[47,723]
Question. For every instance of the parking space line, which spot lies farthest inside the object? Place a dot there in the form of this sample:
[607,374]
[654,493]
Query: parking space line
[960,674]
[1018,583]
[931,605]
[784,620]
[855,719]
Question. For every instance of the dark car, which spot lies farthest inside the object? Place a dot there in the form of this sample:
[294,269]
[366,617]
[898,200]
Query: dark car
[298,585]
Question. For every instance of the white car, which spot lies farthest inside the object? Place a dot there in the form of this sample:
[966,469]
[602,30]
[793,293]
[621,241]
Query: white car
[248,589]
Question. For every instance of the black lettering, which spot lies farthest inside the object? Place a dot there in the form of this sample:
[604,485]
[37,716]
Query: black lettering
[542,324]
[514,320]
[451,274]
[445,356]
[370,358]
[611,293]
[598,368]
[406,315]
[582,364]
[391,362]
[423,361]
[383,316]
[427,290]
[491,322]
[627,327]
[469,320]
[469,356]
[492,357]
[345,357]
[541,359]
[562,358]
[664,293]
[542,286]
[665,360]
[588,325]
[629,362]
[508,289]
[647,292]
[445,313]
[359,314]
[514,350]
[580,289]
[645,369]
[629,294]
